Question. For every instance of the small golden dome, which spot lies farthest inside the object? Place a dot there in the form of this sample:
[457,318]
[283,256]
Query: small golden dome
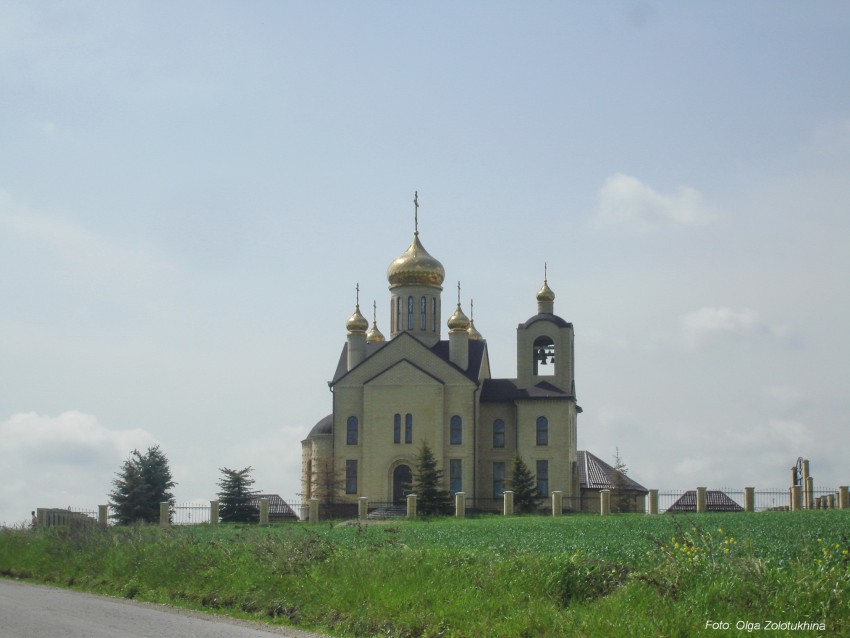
[458,322]
[357,322]
[545,293]
[374,335]
[416,267]
[474,335]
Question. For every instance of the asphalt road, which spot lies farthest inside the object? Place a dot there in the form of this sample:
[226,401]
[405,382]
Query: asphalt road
[36,611]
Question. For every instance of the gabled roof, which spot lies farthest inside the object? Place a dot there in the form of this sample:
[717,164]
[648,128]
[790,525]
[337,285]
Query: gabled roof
[596,474]
[477,351]
[715,501]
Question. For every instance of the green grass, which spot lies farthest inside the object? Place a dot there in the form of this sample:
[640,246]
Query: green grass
[523,576]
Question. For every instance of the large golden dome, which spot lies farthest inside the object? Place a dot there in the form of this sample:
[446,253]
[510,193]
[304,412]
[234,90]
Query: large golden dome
[416,267]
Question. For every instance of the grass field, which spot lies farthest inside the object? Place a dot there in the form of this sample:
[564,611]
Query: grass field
[630,575]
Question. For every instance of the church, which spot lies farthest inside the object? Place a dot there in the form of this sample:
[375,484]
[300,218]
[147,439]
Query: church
[392,395]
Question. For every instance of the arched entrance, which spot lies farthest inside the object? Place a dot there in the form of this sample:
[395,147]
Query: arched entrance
[402,483]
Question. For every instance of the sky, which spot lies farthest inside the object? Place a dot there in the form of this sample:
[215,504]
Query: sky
[190,192]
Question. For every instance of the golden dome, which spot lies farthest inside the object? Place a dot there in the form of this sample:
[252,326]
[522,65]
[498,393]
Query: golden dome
[416,267]
[474,335]
[374,335]
[458,322]
[545,293]
[357,322]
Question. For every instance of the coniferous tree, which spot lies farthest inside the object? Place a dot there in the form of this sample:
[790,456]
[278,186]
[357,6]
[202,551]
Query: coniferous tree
[431,498]
[619,484]
[235,497]
[524,486]
[142,484]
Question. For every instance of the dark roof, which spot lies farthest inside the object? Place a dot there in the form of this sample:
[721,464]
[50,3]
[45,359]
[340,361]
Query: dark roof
[325,426]
[279,509]
[596,474]
[546,316]
[440,349]
[495,390]
[715,501]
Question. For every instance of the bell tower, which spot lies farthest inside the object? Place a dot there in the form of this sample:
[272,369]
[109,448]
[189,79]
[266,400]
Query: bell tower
[545,346]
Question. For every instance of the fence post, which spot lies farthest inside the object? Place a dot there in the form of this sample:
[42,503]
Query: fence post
[264,511]
[795,498]
[843,494]
[831,502]
[164,518]
[103,514]
[701,492]
[460,505]
[411,506]
[557,503]
[363,508]
[214,513]
[314,510]
[41,516]
[809,498]
[749,499]
[604,502]
[653,502]
[509,503]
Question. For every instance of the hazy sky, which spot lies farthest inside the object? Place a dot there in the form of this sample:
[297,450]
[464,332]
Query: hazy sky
[190,191]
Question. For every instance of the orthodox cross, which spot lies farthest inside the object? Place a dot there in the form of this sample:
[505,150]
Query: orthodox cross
[458,294]
[357,288]
[416,212]
[545,272]
[374,312]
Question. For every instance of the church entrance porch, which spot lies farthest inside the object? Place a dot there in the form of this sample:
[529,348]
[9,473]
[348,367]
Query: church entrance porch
[402,483]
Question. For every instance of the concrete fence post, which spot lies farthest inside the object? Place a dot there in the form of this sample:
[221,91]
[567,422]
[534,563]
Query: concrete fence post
[363,508]
[557,503]
[460,505]
[313,515]
[103,514]
[509,503]
[411,506]
[843,494]
[164,514]
[749,499]
[831,502]
[41,516]
[809,497]
[653,502]
[796,500]
[701,497]
[264,511]
[214,512]
[604,502]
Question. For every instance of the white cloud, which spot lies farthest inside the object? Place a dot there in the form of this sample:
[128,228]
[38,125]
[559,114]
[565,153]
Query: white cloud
[709,323]
[60,461]
[624,202]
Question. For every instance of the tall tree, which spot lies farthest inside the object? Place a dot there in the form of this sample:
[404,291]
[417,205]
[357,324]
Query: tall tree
[431,498]
[143,482]
[524,486]
[236,495]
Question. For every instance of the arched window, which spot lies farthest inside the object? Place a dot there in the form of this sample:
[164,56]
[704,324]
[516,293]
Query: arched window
[397,428]
[398,314]
[542,430]
[543,356]
[455,475]
[423,310]
[543,478]
[351,477]
[456,431]
[498,479]
[433,314]
[410,313]
[408,428]
[498,433]
[351,431]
